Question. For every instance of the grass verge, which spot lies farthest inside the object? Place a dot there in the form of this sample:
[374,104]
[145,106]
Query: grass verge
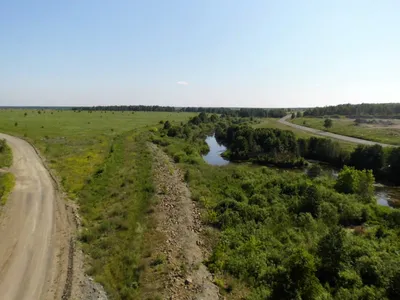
[5,155]
[113,206]
[7,181]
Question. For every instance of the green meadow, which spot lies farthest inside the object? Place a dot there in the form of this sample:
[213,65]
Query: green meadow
[377,132]
[76,143]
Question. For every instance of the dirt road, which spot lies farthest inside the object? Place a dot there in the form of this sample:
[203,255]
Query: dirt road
[330,135]
[33,232]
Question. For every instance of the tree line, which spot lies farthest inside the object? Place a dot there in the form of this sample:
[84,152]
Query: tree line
[234,112]
[282,148]
[381,110]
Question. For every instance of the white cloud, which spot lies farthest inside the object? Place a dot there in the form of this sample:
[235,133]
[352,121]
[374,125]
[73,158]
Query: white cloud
[182,83]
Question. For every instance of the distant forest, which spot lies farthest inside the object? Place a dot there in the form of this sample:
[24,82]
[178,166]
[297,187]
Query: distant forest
[235,112]
[383,110]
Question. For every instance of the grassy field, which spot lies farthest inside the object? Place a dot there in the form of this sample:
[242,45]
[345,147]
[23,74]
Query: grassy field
[376,132]
[6,179]
[274,123]
[114,205]
[104,164]
[76,143]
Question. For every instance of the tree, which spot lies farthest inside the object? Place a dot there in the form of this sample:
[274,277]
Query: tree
[352,181]
[299,114]
[174,131]
[328,123]
[394,164]
[214,118]
[393,291]
[368,157]
[293,116]
[333,254]
[203,117]
[297,279]
[167,125]
[314,171]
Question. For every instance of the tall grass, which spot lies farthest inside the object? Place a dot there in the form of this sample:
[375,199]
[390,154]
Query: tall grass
[7,182]
[113,206]
[5,155]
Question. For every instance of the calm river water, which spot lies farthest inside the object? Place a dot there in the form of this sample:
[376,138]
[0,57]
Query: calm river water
[385,195]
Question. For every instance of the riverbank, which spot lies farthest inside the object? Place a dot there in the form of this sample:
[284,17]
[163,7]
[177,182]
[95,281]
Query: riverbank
[385,195]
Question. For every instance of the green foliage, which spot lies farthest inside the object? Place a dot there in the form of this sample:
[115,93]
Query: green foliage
[351,110]
[368,157]
[225,111]
[393,163]
[352,181]
[328,123]
[76,143]
[333,255]
[322,149]
[113,206]
[314,171]
[286,236]
[5,154]
[7,181]
[167,125]
[263,145]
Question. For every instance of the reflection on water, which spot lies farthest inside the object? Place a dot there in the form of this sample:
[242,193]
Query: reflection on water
[385,195]
[214,156]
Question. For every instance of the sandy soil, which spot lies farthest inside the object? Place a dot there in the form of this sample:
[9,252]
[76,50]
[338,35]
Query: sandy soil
[37,245]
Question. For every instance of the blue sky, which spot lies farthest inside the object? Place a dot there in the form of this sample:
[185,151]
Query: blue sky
[199,52]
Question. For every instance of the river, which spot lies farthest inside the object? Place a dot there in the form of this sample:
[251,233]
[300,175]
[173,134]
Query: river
[385,195]
[213,157]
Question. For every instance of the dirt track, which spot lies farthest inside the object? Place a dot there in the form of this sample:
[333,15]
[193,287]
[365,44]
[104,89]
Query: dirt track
[34,231]
[330,135]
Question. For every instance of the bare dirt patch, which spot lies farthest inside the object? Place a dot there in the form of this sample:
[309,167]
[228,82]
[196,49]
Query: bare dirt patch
[180,256]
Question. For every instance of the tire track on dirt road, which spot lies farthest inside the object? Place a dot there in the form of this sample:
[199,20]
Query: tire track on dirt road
[35,231]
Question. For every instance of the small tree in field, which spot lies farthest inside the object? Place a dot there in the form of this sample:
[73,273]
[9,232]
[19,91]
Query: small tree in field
[328,123]
[293,116]
[167,125]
